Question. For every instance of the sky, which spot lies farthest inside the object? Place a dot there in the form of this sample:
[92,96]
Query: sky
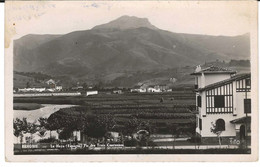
[228,18]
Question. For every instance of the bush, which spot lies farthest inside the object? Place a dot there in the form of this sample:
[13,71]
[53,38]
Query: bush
[130,143]
[195,139]
[49,140]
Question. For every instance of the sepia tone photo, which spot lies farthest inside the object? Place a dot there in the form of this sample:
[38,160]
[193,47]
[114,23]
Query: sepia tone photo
[131,81]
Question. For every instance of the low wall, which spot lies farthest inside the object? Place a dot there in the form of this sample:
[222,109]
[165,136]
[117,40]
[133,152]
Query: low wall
[47,94]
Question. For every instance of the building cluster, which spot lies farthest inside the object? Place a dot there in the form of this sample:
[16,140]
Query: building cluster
[47,86]
[150,89]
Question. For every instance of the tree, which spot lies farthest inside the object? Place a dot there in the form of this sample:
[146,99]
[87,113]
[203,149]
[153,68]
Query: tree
[143,137]
[214,129]
[16,128]
[19,128]
[28,85]
[31,128]
[134,124]
[65,134]
[173,128]
[161,100]
[41,131]
[48,125]
[99,126]
[85,86]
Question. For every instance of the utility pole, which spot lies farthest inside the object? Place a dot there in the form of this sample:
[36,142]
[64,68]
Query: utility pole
[246,84]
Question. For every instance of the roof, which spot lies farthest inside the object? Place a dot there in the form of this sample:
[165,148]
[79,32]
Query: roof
[224,82]
[241,120]
[213,70]
[136,87]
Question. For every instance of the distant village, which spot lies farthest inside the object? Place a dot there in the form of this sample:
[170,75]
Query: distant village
[51,87]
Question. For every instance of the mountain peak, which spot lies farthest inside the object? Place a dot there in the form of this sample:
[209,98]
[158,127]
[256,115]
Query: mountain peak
[127,22]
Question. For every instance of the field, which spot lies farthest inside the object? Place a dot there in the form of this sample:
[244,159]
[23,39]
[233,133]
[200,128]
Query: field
[162,110]
[27,106]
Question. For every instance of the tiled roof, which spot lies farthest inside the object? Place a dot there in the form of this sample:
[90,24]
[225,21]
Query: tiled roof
[241,120]
[221,83]
[214,69]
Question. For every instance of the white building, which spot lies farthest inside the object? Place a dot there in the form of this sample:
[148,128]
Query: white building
[222,98]
[88,93]
[117,91]
[153,89]
[58,88]
[140,89]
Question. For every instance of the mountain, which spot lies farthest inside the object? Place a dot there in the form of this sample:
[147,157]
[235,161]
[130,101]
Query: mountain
[126,22]
[123,46]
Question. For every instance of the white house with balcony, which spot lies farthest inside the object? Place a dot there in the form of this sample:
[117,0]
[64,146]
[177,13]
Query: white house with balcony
[223,99]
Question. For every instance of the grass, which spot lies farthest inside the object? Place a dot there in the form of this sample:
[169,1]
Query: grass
[26,106]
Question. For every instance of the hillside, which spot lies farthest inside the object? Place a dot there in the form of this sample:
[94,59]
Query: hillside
[120,48]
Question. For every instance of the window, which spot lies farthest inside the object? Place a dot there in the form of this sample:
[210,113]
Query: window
[196,82]
[247,105]
[199,101]
[248,82]
[220,125]
[200,124]
[219,101]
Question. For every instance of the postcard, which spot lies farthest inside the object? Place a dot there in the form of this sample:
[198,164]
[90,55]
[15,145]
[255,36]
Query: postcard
[131,81]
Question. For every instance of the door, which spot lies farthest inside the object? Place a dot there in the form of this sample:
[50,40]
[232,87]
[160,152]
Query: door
[242,132]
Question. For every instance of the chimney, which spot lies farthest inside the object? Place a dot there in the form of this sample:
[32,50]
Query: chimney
[198,68]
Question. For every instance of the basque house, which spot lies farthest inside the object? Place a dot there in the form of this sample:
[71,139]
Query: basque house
[223,103]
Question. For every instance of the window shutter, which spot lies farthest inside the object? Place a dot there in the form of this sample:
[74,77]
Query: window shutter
[199,101]
[200,124]
[247,105]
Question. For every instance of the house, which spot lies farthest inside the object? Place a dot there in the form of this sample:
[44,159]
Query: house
[51,83]
[140,89]
[163,88]
[117,91]
[154,89]
[168,90]
[222,101]
[58,88]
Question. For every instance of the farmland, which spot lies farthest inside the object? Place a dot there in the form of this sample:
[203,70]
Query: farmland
[161,110]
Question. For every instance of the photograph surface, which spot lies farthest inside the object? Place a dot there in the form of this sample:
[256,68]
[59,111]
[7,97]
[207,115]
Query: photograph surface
[113,79]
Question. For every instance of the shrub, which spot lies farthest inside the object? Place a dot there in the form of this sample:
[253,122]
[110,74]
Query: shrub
[195,139]
[49,140]
[130,143]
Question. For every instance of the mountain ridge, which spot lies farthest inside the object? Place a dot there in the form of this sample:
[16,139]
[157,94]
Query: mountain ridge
[108,49]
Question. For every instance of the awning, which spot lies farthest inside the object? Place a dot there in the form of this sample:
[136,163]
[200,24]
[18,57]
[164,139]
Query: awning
[241,120]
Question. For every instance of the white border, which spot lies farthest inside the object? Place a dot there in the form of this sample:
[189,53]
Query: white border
[69,158]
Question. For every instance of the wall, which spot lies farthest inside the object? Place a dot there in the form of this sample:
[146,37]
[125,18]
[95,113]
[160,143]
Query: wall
[213,78]
[239,108]
[207,79]
[46,94]
[229,127]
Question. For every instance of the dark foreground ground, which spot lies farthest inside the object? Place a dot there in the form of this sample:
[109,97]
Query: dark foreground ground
[142,151]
